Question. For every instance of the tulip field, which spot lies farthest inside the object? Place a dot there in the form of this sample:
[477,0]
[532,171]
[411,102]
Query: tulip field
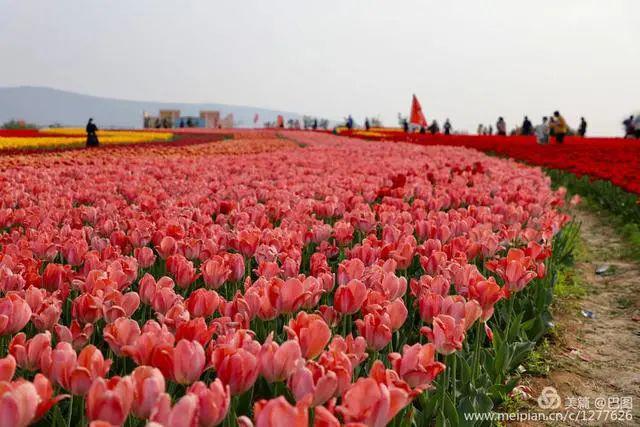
[270,279]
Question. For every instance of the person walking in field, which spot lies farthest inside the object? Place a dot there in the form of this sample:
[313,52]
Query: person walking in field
[501,127]
[582,129]
[480,129]
[447,127]
[542,132]
[92,136]
[560,127]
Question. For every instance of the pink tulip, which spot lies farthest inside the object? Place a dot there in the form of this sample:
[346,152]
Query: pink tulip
[376,330]
[215,272]
[148,385]
[349,298]
[417,365]
[183,414]
[447,334]
[31,354]
[278,412]
[14,314]
[145,256]
[120,333]
[18,403]
[7,368]
[277,362]
[371,403]
[110,400]
[311,379]
[213,402]
[236,367]
[188,361]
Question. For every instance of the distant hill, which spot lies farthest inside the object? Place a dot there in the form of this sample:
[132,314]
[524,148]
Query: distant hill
[45,106]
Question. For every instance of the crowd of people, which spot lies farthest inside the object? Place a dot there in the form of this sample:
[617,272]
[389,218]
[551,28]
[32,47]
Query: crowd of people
[554,125]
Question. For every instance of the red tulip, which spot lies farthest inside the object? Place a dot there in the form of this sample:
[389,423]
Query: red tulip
[202,303]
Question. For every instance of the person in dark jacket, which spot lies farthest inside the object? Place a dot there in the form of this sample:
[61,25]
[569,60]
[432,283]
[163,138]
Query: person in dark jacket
[582,129]
[447,127]
[92,136]
[434,128]
[501,127]
[527,127]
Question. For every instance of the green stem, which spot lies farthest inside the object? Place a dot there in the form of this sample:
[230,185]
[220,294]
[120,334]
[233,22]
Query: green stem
[70,411]
[476,353]
[453,378]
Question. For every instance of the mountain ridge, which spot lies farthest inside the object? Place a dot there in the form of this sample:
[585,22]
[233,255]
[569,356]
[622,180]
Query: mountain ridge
[45,106]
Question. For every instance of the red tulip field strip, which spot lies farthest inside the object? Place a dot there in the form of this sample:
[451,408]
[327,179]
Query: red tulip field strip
[249,281]
[613,159]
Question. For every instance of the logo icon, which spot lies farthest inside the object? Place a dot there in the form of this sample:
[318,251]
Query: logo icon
[549,398]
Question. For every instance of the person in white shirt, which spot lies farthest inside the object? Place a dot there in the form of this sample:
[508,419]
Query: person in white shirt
[542,132]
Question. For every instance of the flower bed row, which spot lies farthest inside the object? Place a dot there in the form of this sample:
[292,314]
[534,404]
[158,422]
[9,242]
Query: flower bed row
[336,281]
[612,159]
[64,138]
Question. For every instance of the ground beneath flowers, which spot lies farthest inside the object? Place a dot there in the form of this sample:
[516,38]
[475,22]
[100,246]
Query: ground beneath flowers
[600,356]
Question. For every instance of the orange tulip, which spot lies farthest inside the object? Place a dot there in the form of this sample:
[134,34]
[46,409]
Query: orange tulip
[311,331]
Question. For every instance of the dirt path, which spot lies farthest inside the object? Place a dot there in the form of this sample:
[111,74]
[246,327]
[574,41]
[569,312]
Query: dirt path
[597,357]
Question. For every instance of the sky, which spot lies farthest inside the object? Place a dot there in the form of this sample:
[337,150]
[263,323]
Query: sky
[469,61]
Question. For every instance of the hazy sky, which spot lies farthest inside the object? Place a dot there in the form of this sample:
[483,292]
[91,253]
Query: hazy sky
[467,60]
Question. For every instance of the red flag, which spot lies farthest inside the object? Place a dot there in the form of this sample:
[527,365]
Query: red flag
[416,117]
[256,118]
